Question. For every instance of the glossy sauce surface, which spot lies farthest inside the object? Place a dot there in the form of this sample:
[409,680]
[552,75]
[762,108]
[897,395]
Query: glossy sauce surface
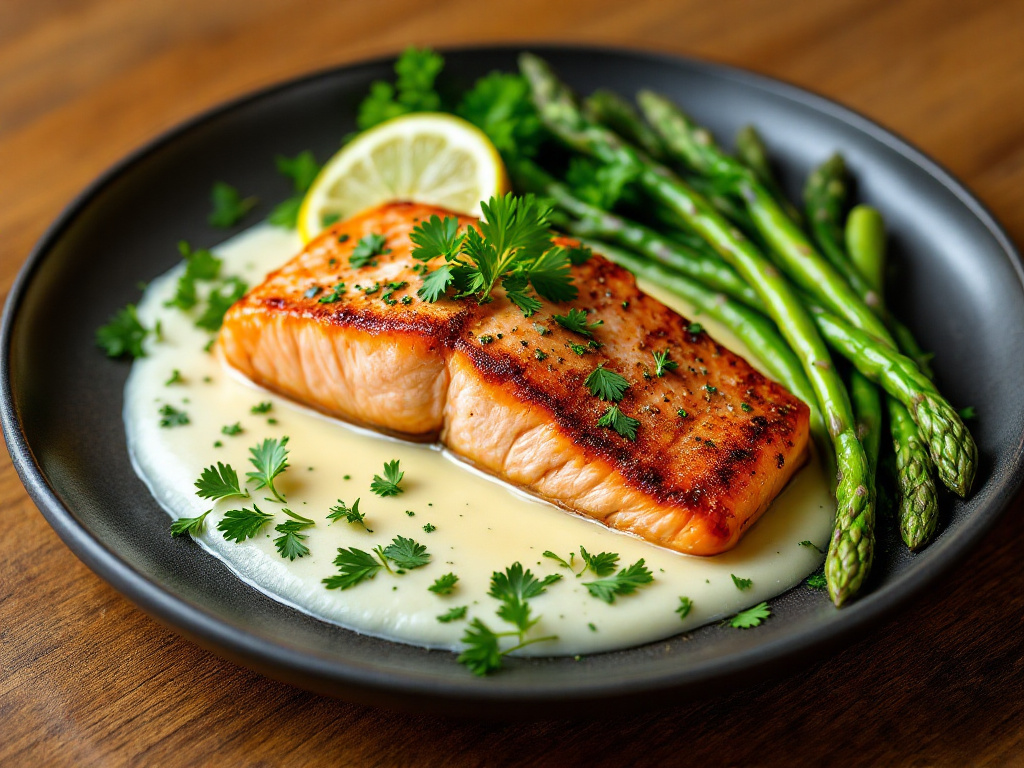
[479,524]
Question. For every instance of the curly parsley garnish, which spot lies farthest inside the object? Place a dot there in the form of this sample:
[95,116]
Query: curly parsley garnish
[270,458]
[389,484]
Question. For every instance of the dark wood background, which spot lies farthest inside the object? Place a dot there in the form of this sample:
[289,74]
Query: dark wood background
[86,679]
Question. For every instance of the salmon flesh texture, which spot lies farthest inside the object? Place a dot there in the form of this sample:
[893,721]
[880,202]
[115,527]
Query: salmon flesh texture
[507,393]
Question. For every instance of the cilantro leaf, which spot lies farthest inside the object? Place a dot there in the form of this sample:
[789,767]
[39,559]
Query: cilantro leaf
[123,335]
[625,582]
[229,207]
[444,585]
[741,584]
[752,617]
[351,514]
[270,459]
[290,543]
[193,526]
[406,553]
[172,417]
[602,564]
[240,524]
[219,482]
[368,247]
[499,104]
[413,91]
[389,484]
[662,363]
[615,419]
[355,565]
[605,384]
[482,654]
[576,321]
[454,614]
[684,608]
[219,302]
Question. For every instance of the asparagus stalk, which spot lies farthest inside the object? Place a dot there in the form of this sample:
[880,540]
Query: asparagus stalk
[751,151]
[949,443]
[852,545]
[797,256]
[756,331]
[918,498]
[610,109]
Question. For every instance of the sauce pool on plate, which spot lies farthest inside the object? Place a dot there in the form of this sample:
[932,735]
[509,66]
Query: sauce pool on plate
[470,523]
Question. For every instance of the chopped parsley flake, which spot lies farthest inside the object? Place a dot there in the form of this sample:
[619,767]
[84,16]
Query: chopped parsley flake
[576,321]
[123,335]
[263,407]
[662,363]
[172,417]
[684,607]
[175,378]
[454,614]
[752,617]
[350,514]
[232,429]
[625,582]
[429,528]
[367,248]
[741,583]
[444,585]
[540,354]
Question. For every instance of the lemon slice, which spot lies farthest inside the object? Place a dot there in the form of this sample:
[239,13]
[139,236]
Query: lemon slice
[426,157]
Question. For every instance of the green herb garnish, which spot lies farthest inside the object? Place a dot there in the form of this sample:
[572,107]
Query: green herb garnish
[219,481]
[625,582]
[193,526]
[172,417]
[615,419]
[370,246]
[240,524]
[270,458]
[752,617]
[444,585]
[576,321]
[123,335]
[606,385]
[662,363]
[389,484]
[229,207]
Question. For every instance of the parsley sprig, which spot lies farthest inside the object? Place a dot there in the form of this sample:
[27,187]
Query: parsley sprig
[219,481]
[444,585]
[200,264]
[601,564]
[511,247]
[270,458]
[367,248]
[229,207]
[413,91]
[513,588]
[356,565]
[240,524]
[123,335]
[752,617]
[290,543]
[389,484]
[615,419]
[193,526]
[349,514]
[625,582]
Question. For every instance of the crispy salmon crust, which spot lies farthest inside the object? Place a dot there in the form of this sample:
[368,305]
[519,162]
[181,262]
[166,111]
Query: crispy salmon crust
[716,441]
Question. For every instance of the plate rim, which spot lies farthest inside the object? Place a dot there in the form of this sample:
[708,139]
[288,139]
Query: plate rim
[373,683]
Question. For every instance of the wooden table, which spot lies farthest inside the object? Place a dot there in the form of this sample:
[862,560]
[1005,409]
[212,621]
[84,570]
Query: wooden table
[88,679]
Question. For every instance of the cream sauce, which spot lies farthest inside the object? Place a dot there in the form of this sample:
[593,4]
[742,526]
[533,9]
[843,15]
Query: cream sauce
[482,525]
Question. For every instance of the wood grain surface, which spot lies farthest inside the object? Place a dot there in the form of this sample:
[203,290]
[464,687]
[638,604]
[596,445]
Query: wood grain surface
[86,679]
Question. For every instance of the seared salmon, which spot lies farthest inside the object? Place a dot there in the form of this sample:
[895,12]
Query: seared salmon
[715,443]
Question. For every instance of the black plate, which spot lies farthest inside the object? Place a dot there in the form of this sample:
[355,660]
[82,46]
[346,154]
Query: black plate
[960,289]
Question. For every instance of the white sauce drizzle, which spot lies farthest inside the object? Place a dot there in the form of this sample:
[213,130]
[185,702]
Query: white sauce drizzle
[482,525]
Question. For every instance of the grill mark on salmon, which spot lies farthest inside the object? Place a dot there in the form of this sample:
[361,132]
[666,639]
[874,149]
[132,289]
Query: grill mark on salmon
[470,376]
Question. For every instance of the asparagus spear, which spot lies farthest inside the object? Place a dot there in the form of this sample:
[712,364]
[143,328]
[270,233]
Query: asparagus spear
[696,146]
[949,443]
[797,256]
[751,151]
[918,500]
[751,327]
[852,545]
[610,109]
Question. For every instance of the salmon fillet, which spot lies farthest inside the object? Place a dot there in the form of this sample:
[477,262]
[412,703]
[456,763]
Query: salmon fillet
[507,393]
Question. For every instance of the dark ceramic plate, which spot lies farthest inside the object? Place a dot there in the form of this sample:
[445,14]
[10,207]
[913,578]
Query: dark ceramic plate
[960,288]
